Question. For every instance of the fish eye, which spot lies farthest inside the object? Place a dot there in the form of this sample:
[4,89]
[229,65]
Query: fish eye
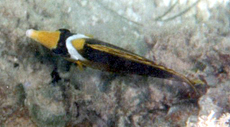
[57,51]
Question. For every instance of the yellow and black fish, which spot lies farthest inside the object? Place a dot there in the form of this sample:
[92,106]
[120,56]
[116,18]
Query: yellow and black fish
[87,51]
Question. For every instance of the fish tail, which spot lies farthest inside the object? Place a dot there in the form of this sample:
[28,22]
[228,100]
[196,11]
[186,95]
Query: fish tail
[191,83]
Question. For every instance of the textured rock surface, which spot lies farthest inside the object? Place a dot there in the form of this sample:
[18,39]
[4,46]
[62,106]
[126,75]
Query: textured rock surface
[191,37]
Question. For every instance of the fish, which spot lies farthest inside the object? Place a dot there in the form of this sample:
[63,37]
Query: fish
[87,51]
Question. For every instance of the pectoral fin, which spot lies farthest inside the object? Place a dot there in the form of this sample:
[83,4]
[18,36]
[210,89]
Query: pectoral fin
[80,65]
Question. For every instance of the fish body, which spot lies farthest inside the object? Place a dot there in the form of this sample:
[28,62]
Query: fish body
[87,51]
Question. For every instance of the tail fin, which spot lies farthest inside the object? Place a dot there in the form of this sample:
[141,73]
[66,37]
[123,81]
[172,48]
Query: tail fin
[192,83]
